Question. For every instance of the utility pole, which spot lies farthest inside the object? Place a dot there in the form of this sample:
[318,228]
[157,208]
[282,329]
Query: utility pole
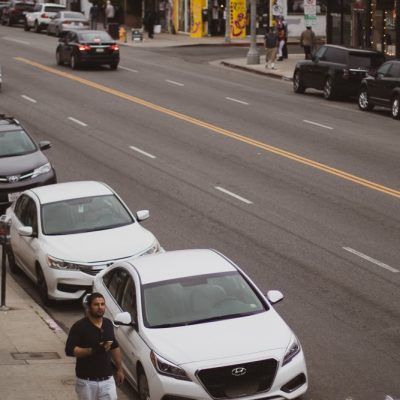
[253,57]
[228,22]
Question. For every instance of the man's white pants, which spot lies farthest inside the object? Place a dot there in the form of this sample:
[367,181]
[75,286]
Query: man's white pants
[96,390]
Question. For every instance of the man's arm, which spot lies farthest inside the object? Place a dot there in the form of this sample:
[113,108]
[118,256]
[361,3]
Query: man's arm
[116,356]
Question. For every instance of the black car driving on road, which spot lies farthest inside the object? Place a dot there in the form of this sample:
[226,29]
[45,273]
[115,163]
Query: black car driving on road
[22,163]
[87,47]
[14,12]
[337,70]
[382,89]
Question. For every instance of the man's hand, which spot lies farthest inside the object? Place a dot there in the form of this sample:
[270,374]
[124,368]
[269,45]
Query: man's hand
[119,378]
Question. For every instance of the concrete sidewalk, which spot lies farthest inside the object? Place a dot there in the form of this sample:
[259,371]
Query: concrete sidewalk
[284,69]
[33,364]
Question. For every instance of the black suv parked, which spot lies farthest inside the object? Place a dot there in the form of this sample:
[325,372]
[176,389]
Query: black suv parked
[382,89]
[14,13]
[22,163]
[336,70]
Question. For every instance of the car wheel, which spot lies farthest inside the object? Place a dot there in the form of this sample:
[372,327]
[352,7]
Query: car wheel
[363,100]
[11,262]
[396,107]
[59,58]
[114,66]
[37,27]
[42,286]
[74,62]
[143,387]
[297,83]
[329,92]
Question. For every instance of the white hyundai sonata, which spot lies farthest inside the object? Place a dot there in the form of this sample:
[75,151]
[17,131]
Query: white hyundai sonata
[64,234]
[192,325]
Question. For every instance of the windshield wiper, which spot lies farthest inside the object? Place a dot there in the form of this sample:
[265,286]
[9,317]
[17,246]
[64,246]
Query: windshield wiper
[218,318]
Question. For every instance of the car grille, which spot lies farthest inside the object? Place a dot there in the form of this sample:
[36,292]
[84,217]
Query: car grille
[239,380]
[21,177]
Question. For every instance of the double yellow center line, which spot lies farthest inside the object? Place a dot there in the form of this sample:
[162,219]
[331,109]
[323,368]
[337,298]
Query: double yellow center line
[216,129]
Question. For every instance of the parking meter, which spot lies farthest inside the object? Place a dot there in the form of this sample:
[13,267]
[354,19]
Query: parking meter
[5,225]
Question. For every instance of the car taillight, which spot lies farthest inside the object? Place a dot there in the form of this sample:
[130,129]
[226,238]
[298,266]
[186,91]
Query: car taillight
[44,15]
[346,73]
[84,47]
[114,47]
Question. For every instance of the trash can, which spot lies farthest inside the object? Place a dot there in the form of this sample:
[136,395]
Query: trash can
[113,30]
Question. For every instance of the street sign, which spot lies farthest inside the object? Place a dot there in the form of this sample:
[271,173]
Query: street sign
[310,12]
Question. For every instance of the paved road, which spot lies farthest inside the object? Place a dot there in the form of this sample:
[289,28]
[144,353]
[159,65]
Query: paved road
[302,193]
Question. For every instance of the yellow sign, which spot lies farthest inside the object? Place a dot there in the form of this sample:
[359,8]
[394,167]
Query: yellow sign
[237,18]
[197,26]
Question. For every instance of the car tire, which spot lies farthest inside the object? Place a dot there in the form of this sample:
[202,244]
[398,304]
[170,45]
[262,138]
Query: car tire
[298,86]
[74,62]
[42,286]
[114,66]
[37,28]
[329,91]
[143,387]
[59,58]
[395,107]
[11,262]
[363,100]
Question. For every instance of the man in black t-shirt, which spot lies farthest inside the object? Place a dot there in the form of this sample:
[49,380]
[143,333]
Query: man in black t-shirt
[91,340]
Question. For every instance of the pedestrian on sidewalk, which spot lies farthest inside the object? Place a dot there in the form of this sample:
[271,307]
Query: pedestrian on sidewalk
[148,22]
[93,13]
[281,41]
[270,43]
[308,42]
[282,24]
[110,12]
[92,341]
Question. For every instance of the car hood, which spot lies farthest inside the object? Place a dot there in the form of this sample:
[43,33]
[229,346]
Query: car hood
[18,164]
[99,246]
[221,339]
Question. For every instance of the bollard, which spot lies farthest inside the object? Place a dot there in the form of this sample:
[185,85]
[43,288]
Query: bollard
[5,223]
[122,34]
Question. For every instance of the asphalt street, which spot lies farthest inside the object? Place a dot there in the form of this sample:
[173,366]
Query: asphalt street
[302,193]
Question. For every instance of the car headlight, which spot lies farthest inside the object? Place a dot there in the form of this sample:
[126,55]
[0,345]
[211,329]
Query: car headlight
[56,263]
[44,169]
[153,249]
[167,368]
[292,350]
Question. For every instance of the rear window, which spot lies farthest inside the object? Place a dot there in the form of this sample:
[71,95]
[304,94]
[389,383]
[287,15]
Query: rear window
[24,6]
[95,37]
[359,60]
[53,9]
[335,55]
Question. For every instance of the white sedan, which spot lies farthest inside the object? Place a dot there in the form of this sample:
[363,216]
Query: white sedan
[192,325]
[62,235]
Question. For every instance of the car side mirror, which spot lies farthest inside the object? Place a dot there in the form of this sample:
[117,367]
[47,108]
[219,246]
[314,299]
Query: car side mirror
[274,296]
[25,231]
[142,215]
[315,58]
[44,145]
[124,319]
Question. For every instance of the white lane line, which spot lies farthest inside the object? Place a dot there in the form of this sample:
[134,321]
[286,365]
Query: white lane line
[370,259]
[77,121]
[175,83]
[236,196]
[28,98]
[237,101]
[16,40]
[128,69]
[142,152]
[317,124]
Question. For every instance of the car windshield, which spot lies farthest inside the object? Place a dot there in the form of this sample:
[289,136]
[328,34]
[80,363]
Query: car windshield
[95,37]
[199,299]
[86,214]
[365,60]
[74,15]
[15,143]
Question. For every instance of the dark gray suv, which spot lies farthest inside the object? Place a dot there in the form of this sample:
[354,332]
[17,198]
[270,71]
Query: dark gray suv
[337,70]
[22,163]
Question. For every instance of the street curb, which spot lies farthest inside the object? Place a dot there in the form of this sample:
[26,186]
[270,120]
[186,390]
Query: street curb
[265,73]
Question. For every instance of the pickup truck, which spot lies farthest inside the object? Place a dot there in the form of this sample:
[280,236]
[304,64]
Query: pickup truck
[39,18]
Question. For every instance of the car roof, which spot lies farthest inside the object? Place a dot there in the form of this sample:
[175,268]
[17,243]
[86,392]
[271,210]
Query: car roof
[70,190]
[8,123]
[180,264]
[352,49]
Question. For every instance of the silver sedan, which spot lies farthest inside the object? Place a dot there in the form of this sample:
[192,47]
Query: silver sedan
[65,21]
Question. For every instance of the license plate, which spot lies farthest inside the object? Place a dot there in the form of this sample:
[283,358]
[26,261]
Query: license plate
[99,50]
[13,196]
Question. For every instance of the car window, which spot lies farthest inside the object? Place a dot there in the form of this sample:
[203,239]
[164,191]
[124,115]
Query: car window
[20,206]
[87,214]
[128,300]
[335,55]
[37,7]
[95,36]
[51,9]
[15,143]
[116,283]
[24,6]
[321,52]
[364,60]
[394,71]
[27,213]
[196,299]
[383,70]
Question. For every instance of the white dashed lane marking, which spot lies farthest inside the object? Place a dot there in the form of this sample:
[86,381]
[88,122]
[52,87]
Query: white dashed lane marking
[127,69]
[317,124]
[370,259]
[236,196]
[237,101]
[142,152]
[174,83]
[77,121]
[28,98]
